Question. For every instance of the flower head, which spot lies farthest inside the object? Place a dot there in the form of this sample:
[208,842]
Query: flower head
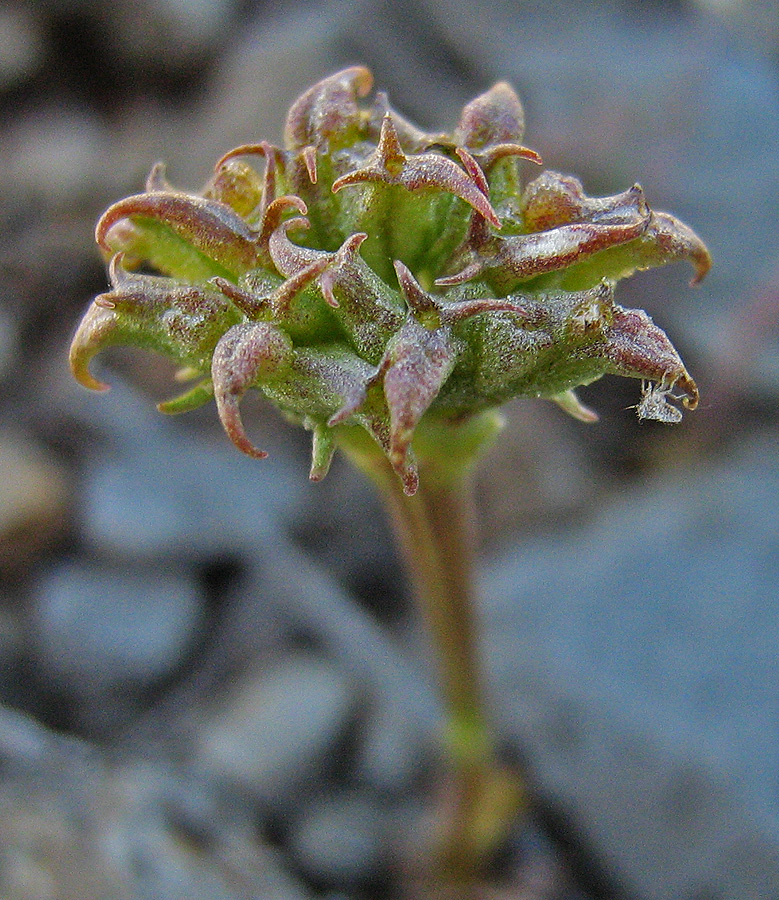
[373,274]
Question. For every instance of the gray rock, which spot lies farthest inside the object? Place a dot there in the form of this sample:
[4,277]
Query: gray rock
[273,735]
[401,715]
[363,560]
[636,660]
[102,631]
[209,851]
[539,450]
[170,32]
[9,338]
[394,750]
[167,493]
[311,602]
[13,650]
[56,154]
[50,797]
[261,73]
[71,825]
[21,50]
[340,839]
[28,750]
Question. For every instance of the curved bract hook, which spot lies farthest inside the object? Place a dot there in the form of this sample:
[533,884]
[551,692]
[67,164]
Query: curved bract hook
[245,354]
[182,235]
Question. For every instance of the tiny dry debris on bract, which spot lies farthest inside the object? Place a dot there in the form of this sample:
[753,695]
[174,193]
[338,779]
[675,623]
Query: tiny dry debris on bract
[388,289]
[654,403]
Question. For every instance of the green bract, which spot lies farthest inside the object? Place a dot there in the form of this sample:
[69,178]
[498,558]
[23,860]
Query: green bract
[380,276]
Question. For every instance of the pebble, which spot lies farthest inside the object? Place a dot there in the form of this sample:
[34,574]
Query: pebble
[365,560]
[392,679]
[50,803]
[43,853]
[57,155]
[21,50]
[103,632]
[180,834]
[162,864]
[171,32]
[340,839]
[262,72]
[9,339]
[168,492]
[543,451]
[394,750]
[71,825]
[34,497]
[277,730]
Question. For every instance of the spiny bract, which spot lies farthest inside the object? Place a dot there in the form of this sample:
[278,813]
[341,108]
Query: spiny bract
[376,274]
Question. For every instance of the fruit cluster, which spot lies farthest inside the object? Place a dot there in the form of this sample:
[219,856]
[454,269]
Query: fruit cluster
[378,275]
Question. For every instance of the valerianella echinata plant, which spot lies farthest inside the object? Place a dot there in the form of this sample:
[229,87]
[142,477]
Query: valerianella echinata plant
[388,289]
[376,278]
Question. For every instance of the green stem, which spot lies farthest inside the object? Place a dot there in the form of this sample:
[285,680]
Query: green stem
[432,530]
[435,532]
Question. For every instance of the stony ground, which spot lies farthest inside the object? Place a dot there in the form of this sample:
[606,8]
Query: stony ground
[211,680]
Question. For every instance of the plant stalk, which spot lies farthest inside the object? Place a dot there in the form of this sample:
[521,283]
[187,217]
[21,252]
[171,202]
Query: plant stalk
[435,531]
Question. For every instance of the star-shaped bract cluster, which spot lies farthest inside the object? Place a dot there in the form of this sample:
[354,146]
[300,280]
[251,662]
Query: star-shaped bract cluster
[375,274]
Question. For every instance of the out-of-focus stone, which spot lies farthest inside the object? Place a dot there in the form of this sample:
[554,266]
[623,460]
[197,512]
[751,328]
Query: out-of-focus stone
[275,733]
[171,33]
[537,472]
[50,794]
[167,492]
[390,677]
[754,20]
[364,560]
[13,649]
[21,49]
[261,73]
[56,155]
[73,826]
[635,661]
[208,851]
[9,339]
[43,852]
[394,750]
[340,839]
[33,500]
[103,634]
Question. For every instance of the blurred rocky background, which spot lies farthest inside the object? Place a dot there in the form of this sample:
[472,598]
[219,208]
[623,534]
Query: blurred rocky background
[212,684]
